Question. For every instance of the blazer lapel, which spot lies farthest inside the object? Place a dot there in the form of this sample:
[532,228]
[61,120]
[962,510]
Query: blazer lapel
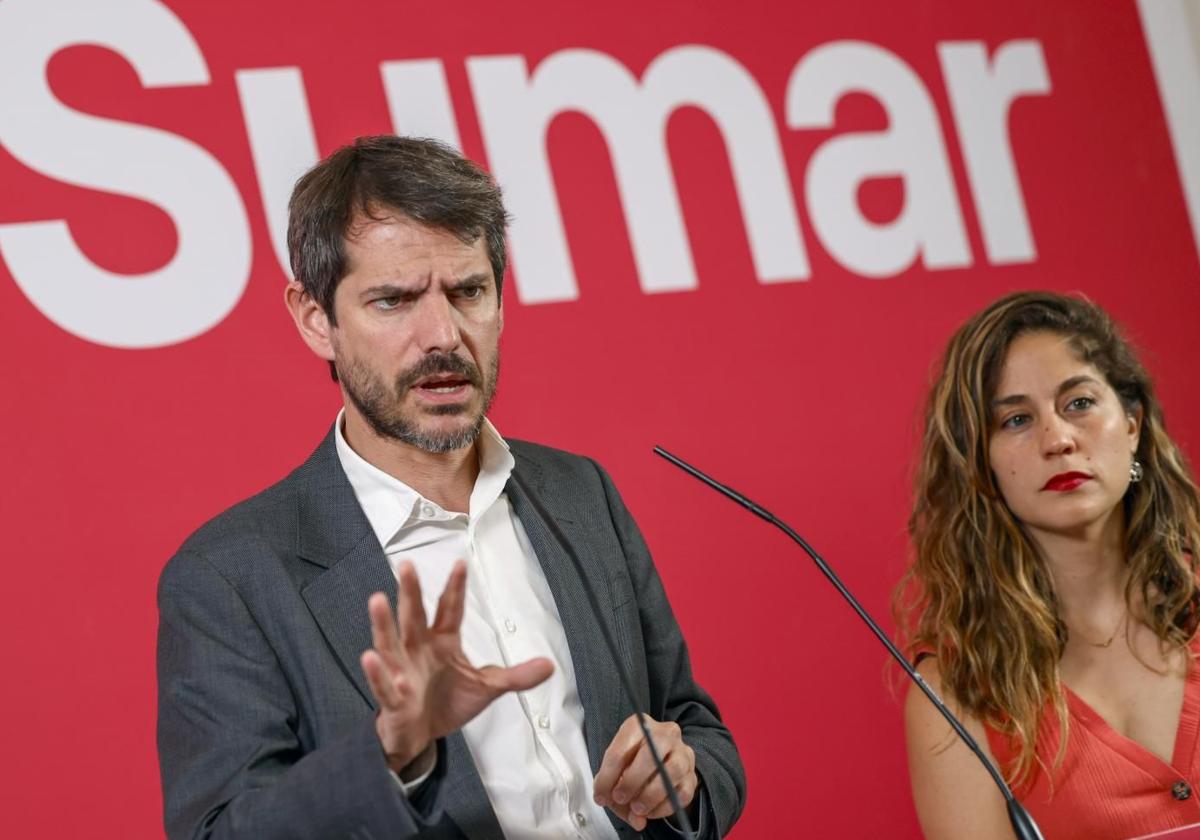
[333,532]
[465,799]
[599,690]
[338,602]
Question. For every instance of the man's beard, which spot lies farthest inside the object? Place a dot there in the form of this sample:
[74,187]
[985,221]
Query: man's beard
[380,406]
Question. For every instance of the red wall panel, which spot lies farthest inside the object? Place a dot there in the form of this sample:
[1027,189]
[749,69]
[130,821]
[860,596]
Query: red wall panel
[805,394]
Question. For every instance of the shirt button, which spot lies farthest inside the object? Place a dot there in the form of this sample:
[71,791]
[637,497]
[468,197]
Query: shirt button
[427,510]
[580,819]
[510,625]
[544,722]
[1181,790]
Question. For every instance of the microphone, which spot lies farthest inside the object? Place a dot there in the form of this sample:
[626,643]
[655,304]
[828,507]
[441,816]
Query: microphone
[1022,823]
[685,825]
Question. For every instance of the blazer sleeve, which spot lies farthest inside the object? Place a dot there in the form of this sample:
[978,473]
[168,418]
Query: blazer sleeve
[674,692]
[231,760]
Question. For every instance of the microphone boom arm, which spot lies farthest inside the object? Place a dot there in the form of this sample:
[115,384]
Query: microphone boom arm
[685,825]
[1022,823]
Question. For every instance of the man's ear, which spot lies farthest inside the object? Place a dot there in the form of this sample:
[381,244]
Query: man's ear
[311,320]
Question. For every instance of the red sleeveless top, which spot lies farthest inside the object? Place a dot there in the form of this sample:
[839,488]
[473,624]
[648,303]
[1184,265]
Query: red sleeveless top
[1109,787]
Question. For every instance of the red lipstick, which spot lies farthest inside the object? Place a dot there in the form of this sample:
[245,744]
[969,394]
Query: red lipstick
[1064,482]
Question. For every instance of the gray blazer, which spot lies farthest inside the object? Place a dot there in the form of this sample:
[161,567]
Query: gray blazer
[266,723]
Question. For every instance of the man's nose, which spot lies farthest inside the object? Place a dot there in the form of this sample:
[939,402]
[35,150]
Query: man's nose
[437,324]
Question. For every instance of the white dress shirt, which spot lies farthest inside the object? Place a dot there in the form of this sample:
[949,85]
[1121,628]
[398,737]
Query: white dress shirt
[527,746]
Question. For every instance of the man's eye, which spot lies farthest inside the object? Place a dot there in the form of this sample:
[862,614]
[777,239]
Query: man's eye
[386,303]
[471,292]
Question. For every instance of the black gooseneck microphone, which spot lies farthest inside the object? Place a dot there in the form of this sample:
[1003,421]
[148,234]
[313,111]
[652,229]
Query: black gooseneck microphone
[685,825]
[1023,825]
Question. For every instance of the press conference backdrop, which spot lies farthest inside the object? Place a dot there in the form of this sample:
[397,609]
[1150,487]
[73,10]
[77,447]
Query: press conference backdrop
[742,230]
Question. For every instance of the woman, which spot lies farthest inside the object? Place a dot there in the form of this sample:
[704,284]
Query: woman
[1052,599]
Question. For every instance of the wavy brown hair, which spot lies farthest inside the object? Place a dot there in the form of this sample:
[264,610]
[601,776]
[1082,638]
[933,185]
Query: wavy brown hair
[978,595]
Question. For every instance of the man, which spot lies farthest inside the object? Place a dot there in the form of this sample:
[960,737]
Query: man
[305,690]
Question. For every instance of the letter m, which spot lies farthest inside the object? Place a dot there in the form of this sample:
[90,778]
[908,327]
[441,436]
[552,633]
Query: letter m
[515,110]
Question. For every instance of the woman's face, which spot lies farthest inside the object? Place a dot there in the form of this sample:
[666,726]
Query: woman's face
[1061,442]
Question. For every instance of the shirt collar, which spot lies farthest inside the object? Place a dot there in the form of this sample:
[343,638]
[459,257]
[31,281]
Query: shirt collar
[390,504]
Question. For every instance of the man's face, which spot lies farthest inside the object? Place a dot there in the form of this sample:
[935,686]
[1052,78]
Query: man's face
[417,335]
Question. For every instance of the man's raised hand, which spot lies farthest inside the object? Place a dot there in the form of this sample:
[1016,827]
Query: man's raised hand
[422,681]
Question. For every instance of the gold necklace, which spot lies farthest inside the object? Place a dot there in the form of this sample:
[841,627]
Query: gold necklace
[1113,637]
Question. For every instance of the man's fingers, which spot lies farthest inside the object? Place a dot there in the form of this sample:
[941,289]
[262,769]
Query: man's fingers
[640,785]
[520,677]
[651,794]
[410,612]
[636,822]
[686,794]
[453,600]
[380,679]
[628,782]
[618,755]
[652,801]
[384,636]
[680,764]
[639,773]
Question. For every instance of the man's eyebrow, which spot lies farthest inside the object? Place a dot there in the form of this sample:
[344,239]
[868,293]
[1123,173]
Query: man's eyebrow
[477,279]
[1067,385]
[408,292]
[390,290]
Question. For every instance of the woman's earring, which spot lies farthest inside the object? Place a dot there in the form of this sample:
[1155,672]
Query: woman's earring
[1136,473]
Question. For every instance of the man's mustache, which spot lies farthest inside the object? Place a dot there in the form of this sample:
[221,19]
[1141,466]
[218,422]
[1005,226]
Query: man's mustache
[436,363]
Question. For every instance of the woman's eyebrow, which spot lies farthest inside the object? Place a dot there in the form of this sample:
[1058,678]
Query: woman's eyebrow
[1067,385]
[1075,381]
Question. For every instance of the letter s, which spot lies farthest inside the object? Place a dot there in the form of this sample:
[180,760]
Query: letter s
[205,279]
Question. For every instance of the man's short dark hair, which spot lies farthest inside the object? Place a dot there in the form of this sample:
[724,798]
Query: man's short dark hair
[373,177]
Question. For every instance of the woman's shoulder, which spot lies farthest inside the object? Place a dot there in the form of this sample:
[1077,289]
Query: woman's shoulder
[924,723]
[954,795]
[925,663]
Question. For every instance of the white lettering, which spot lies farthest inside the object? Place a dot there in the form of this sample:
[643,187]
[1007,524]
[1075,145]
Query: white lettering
[515,111]
[930,223]
[206,276]
[980,96]
[1172,31]
[211,266]
[282,143]
[419,100]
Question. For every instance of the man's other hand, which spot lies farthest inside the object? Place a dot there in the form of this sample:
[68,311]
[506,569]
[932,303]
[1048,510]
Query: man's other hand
[628,782]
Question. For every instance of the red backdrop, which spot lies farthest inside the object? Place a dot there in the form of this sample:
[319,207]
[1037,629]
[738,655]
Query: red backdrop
[805,393]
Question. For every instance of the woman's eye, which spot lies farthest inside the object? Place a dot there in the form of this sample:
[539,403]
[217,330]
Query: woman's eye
[1080,403]
[1015,422]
